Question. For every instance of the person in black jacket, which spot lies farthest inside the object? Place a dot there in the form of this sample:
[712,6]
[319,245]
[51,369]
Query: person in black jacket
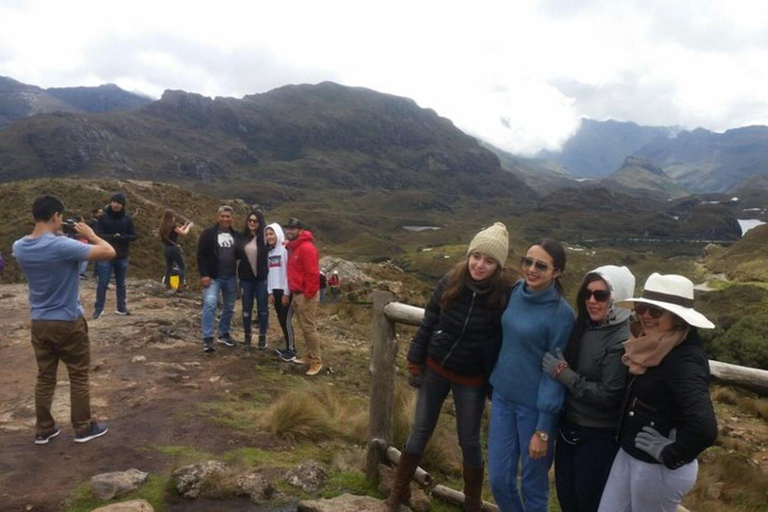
[252,269]
[116,227]
[667,418]
[454,351]
[217,264]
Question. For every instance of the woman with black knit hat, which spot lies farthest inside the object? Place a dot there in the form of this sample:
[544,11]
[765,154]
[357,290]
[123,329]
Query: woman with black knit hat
[454,351]
[667,418]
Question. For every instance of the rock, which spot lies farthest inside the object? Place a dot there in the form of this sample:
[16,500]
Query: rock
[309,476]
[344,503]
[189,480]
[255,486]
[108,485]
[138,359]
[127,506]
[419,501]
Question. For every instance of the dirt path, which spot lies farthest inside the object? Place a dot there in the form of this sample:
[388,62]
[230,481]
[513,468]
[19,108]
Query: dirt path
[148,379]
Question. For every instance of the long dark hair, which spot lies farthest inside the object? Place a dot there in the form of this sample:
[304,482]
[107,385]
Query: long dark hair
[260,216]
[557,253]
[167,225]
[500,283]
[573,347]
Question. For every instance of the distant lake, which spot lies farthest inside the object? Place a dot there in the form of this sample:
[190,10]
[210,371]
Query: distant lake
[422,228]
[747,224]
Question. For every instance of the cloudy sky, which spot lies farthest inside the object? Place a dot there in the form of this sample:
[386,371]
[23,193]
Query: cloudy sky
[518,73]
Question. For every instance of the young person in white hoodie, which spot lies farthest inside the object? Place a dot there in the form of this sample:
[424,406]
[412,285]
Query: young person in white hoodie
[277,287]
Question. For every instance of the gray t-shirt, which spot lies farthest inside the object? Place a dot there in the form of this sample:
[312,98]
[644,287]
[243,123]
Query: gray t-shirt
[51,264]
[226,253]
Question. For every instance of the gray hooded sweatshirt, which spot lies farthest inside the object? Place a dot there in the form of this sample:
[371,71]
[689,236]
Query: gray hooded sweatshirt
[596,386]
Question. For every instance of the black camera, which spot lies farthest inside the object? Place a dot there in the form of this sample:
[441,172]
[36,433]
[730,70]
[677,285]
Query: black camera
[68,228]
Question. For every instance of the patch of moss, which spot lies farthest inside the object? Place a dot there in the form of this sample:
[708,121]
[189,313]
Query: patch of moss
[154,490]
[350,482]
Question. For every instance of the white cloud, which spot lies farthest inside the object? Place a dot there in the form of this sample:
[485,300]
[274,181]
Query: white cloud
[519,74]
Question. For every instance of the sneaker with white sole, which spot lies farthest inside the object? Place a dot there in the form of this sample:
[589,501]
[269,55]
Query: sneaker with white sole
[94,431]
[122,313]
[97,315]
[286,355]
[226,340]
[45,437]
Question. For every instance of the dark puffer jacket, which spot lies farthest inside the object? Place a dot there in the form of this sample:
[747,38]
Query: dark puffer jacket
[674,394]
[464,339]
[117,229]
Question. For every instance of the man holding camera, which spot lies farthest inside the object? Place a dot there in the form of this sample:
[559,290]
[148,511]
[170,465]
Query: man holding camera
[116,227]
[59,331]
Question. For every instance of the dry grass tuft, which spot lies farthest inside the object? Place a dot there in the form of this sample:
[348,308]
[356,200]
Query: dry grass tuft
[757,407]
[725,395]
[730,482]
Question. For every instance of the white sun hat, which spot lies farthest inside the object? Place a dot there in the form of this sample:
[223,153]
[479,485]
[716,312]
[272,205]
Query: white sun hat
[673,293]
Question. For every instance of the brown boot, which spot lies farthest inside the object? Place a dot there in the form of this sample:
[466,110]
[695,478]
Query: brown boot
[473,488]
[401,489]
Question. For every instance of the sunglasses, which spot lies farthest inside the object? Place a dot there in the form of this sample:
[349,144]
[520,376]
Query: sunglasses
[255,221]
[599,295]
[527,262]
[653,311]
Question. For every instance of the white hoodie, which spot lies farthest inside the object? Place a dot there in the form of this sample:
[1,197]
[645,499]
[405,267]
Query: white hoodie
[277,260]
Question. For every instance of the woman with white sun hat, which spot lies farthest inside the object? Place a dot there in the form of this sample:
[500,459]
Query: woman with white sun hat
[667,416]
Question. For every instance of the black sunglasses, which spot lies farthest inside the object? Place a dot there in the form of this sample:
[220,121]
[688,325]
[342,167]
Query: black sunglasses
[530,262]
[253,220]
[599,295]
[653,311]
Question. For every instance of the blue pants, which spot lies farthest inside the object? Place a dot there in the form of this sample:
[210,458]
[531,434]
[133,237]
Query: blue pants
[228,288]
[469,402]
[511,428]
[104,272]
[583,459]
[253,289]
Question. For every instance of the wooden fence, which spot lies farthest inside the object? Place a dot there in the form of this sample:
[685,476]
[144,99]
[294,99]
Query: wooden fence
[384,349]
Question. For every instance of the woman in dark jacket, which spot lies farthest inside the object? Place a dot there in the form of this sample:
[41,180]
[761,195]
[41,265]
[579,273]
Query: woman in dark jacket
[252,270]
[594,377]
[667,417]
[454,351]
[169,232]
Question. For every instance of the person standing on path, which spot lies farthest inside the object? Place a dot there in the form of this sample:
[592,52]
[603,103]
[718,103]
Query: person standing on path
[335,283]
[277,286]
[253,270]
[217,264]
[59,331]
[169,233]
[304,283]
[116,227]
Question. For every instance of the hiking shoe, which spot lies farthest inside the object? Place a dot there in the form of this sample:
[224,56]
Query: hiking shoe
[226,340]
[299,360]
[97,315]
[47,436]
[315,368]
[262,343]
[122,313]
[286,355]
[208,347]
[94,431]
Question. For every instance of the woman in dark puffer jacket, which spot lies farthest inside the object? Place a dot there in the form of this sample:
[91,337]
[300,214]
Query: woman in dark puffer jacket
[454,350]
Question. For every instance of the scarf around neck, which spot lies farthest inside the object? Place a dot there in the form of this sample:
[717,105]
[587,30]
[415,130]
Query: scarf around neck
[642,351]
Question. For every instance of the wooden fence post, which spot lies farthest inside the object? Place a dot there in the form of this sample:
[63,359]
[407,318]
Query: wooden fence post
[383,369]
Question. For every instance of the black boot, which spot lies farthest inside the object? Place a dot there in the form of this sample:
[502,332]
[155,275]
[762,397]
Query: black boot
[401,489]
[247,341]
[473,488]
[262,342]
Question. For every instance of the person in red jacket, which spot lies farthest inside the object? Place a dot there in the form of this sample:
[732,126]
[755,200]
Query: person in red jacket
[304,283]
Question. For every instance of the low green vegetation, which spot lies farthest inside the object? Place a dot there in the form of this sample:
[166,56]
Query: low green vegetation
[155,490]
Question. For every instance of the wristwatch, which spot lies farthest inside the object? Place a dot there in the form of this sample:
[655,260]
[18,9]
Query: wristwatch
[542,435]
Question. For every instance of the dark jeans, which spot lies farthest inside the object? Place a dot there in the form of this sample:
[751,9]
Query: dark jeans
[104,271]
[173,255]
[583,459]
[469,402]
[285,317]
[55,341]
[253,289]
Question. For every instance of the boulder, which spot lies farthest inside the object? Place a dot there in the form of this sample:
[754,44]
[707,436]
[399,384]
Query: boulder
[189,480]
[255,486]
[348,271]
[109,485]
[127,506]
[345,503]
[309,476]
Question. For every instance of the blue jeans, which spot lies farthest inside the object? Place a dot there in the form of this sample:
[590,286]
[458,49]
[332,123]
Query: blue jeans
[228,288]
[469,402]
[255,289]
[104,272]
[509,434]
